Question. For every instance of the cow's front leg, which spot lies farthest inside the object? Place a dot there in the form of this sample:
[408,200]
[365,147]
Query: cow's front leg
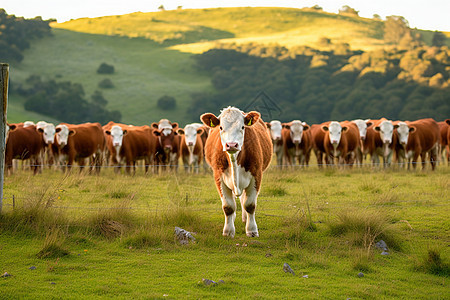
[248,200]
[229,209]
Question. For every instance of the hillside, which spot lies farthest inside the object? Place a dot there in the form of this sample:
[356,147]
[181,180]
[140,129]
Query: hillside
[152,52]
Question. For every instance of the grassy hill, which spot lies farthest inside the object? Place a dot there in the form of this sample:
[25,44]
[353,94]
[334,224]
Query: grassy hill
[151,52]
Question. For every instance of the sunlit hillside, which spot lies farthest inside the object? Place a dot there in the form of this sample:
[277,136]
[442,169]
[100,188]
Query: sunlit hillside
[198,30]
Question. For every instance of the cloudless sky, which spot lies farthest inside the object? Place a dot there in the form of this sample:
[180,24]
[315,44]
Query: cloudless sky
[423,14]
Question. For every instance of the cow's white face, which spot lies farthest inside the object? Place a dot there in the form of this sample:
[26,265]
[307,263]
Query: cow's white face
[48,133]
[275,130]
[190,135]
[386,129]
[403,131]
[231,122]
[362,127]
[117,134]
[334,130]
[28,124]
[62,135]
[296,131]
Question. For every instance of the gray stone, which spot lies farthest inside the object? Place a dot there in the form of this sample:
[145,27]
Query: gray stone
[360,274]
[208,282]
[385,253]
[32,268]
[305,276]
[381,245]
[288,269]
[6,274]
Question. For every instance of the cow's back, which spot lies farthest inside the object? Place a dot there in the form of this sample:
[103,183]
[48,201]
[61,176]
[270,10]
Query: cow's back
[87,139]
[23,142]
[351,135]
[426,134]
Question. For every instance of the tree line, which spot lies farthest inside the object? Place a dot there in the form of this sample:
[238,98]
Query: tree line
[16,34]
[317,86]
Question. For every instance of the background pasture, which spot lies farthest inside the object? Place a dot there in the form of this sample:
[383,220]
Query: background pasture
[112,236]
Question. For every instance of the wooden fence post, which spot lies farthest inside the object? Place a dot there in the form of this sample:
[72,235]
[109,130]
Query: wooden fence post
[4,74]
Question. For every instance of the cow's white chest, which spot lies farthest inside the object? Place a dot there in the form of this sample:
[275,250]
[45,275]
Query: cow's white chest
[238,180]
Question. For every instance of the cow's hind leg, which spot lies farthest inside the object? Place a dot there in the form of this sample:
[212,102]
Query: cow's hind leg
[248,201]
[229,209]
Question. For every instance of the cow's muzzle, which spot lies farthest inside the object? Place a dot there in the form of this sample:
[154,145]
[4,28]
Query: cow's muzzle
[231,147]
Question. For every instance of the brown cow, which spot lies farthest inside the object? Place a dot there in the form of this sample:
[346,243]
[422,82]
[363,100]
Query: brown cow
[378,141]
[341,142]
[23,143]
[444,129]
[191,147]
[130,145]
[318,137]
[423,138]
[238,149]
[297,142]
[78,143]
[168,145]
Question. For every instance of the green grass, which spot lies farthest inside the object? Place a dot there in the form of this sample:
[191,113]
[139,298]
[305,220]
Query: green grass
[112,236]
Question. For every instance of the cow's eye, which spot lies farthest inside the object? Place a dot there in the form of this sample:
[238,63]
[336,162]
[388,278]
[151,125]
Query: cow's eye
[243,127]
[220,128]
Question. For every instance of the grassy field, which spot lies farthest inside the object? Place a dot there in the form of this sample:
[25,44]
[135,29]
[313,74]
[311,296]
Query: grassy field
[112,236]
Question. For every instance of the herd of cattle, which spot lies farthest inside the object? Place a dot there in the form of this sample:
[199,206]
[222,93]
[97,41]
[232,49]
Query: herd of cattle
[161,144]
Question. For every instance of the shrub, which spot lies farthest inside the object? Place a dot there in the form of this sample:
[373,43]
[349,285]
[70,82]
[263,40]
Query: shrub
[167,103]
[53,245]
[104,68]
[106,84]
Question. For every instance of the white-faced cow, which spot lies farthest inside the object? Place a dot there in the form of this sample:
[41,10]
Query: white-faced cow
[238,149]
[167,149]
[341,142]
[191,147]
[275,127]
[444,129]
[297,142]
[379,141]
[362,128]
[130,145]
[79,143]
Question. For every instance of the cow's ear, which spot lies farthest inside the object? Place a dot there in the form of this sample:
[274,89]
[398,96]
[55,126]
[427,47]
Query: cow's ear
[210,120]
[40,130]
[447,121]
[344,129]
[174,125]
[180,131]
[268,125]
[200,131]
[12,127]
[251,118]
[108,132]
[396,126]
[412,129]
[369,123]
[324,128]
[58,129]
[156,133]
[72,132]
[286,125]
[305,126]
[125,132]
[377,128]
[155,125]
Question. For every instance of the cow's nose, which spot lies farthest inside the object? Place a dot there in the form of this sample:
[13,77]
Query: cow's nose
[334,142]
[296,142]
[278,138]
[231,146]
[190,144]
[116,144]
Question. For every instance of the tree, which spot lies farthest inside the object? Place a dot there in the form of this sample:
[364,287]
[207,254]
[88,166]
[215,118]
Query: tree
[377,17]
[167,103]
[104,68]
[347,10]
[439,39]
[161,8]
[395,28]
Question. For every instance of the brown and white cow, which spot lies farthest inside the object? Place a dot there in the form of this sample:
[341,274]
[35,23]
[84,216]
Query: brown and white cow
[238,149]
[191,147]
[275,127]
[341,141]
[168,146]
[23,143]
[378,141]
[297,142]
[422,138]
[318,137]
[362,127]
[130,145]
[78,143]
[444,130]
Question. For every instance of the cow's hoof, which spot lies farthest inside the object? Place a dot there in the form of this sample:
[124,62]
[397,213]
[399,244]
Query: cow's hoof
[229,234]
[253,234]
